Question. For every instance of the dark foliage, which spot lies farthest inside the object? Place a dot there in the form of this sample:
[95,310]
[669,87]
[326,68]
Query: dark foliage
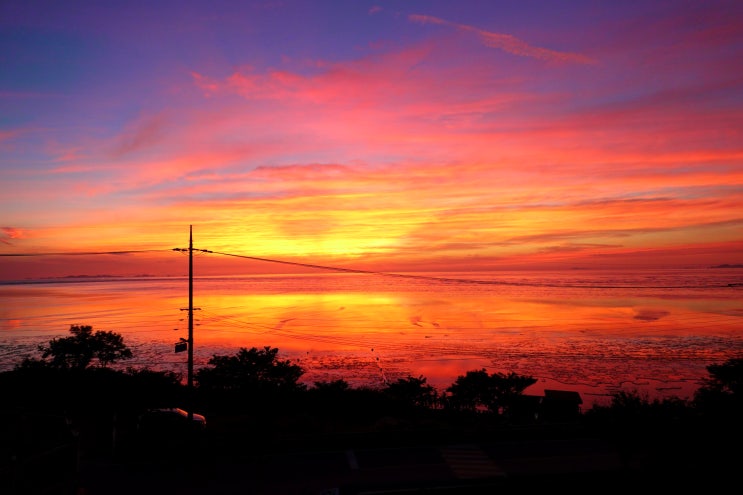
[248,370]
[83,348]
[336,406]
[721,394]
[413,392]
[254,379]
[255,398]
[633,413]
[75,391]
[494,392]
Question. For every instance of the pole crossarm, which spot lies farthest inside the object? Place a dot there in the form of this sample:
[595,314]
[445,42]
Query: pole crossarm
[193,249]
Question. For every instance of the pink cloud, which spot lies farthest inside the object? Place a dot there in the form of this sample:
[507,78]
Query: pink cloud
[14,233]
[143,134]
[507,42]
[8,233]
[315,171]
[8,135]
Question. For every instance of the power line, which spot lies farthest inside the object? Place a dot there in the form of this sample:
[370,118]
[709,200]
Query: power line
[385,274]
[469,281]
[85,253]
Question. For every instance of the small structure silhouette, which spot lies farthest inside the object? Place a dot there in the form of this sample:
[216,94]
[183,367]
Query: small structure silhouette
[561,405]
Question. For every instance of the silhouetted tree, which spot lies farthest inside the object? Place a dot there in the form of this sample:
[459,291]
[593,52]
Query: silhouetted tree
[250,370]
[413,391]
[329,403]
[81,349]
[726,378]
[151,388]
[470,391]
[332,388]
[722,392]
[634,409]
[494,392]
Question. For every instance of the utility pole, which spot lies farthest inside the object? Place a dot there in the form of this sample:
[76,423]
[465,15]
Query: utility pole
[188,343]
[190,325]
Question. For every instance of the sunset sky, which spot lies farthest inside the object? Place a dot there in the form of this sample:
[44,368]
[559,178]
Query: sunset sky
[375,135]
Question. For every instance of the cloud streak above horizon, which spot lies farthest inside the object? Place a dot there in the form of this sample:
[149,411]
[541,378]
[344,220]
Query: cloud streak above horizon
[507,42]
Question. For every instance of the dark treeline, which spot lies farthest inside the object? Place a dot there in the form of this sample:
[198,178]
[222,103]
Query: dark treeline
[255,400]
[73,374]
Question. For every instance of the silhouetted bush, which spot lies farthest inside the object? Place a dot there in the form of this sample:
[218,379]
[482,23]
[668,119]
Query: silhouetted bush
[721,394]
[494,392]
[255,397]
[253,380]
[85,347]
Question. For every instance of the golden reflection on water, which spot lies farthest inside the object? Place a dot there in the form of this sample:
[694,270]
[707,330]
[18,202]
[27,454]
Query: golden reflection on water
[593,341]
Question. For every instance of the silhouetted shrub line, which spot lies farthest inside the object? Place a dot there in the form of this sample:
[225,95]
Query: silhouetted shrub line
[254,398]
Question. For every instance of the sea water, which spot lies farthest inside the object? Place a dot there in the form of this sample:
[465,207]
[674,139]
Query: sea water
[653,332]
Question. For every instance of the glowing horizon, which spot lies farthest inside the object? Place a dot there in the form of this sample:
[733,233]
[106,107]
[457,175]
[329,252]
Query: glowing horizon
[424,136]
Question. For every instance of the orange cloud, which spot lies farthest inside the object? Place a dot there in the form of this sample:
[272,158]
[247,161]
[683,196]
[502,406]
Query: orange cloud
[8,233]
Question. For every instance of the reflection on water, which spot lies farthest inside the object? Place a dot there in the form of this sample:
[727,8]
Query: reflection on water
[596,332]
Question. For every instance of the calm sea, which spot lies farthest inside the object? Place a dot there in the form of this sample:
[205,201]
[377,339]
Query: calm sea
[593,331]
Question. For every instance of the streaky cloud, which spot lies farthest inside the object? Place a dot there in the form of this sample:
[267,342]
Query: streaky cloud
[6,135]
[9,233]
[308,171]
[508,43]
[143,134]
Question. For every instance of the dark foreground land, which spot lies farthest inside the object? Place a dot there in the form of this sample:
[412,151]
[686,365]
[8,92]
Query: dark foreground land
[230,459]
[418,463]
[92,431]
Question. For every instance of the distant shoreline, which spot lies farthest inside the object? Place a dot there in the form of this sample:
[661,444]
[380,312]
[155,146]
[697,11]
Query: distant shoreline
[93,278]
[73,279]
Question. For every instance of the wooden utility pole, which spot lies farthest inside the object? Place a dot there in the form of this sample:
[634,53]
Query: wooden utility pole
[187,344]
[190,325]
